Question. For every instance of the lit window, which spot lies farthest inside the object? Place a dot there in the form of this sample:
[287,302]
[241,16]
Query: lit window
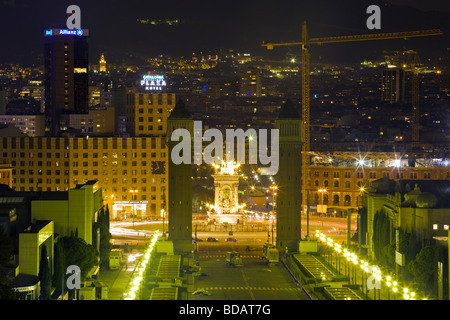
[435,226]
[445,226]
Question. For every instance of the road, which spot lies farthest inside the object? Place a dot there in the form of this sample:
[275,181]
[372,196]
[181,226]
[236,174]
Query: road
[254,281]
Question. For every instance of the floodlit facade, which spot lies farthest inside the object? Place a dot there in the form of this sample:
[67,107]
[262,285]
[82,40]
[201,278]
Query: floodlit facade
[6,174]
[147,113]
[335,189]
[119,164]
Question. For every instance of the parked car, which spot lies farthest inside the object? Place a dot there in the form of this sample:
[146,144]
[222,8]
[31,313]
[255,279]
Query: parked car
[210,239]
[231,239]
[197,240]
[201,292]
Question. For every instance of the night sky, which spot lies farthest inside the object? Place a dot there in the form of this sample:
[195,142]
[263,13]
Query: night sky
[208,25]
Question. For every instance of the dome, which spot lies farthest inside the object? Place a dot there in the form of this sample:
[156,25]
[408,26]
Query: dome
[426,200]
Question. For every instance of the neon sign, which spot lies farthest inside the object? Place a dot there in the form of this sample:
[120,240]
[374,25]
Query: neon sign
[64,32]
[153,82]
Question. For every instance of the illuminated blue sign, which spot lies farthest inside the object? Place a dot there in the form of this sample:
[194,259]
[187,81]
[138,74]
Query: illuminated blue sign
[153,82]
[65,32]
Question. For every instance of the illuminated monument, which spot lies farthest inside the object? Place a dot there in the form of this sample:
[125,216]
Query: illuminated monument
[226,207]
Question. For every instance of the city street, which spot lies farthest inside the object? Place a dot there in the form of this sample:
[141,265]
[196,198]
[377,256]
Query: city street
[256,280]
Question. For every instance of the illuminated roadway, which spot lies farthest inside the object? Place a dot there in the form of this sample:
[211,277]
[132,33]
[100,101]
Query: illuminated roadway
[255,280]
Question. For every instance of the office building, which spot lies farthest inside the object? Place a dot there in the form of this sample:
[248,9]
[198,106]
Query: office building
[65,75]
[393,84]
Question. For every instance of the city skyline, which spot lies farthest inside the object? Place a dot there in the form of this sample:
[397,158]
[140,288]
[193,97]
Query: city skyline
[142,30]
[107,177]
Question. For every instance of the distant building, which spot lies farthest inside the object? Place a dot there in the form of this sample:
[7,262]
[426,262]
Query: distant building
[102,64]
[84,123]
[250,82]
[393,85]
[31,125]
[105,120]
[66,69]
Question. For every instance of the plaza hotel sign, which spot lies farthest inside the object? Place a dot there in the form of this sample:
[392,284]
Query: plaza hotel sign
[152,82]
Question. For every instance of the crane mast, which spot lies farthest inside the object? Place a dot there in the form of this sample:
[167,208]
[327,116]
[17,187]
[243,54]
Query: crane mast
[306,44]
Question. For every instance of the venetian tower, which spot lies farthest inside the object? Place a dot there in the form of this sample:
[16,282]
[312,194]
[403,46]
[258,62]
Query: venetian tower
[289,198]
[180,183]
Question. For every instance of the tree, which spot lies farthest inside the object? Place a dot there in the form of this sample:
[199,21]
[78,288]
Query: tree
[60,269]
[105,243]
[105,236]
[381,236]
[422,267]
[78,252]
[44,275]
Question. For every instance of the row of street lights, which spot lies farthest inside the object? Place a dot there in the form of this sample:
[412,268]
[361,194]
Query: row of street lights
[372,273]
[139,277]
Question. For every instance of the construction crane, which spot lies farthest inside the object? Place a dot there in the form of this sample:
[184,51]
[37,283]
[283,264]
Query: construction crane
[415,67]
[306,44]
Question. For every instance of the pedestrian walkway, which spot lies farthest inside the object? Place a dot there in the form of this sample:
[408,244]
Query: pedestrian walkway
[118,280]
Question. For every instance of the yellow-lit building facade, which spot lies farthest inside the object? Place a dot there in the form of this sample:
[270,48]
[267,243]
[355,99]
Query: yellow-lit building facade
[102,64]
[337,189]
[147,113]
[132,172]
[6,174]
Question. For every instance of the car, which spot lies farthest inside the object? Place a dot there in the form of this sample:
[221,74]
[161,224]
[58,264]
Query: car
[201,292]
[231,239]
[197,240]
[210,239]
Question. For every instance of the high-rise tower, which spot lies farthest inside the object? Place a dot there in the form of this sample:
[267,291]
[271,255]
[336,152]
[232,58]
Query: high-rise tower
[180,182]
[289,191]
[66,75]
